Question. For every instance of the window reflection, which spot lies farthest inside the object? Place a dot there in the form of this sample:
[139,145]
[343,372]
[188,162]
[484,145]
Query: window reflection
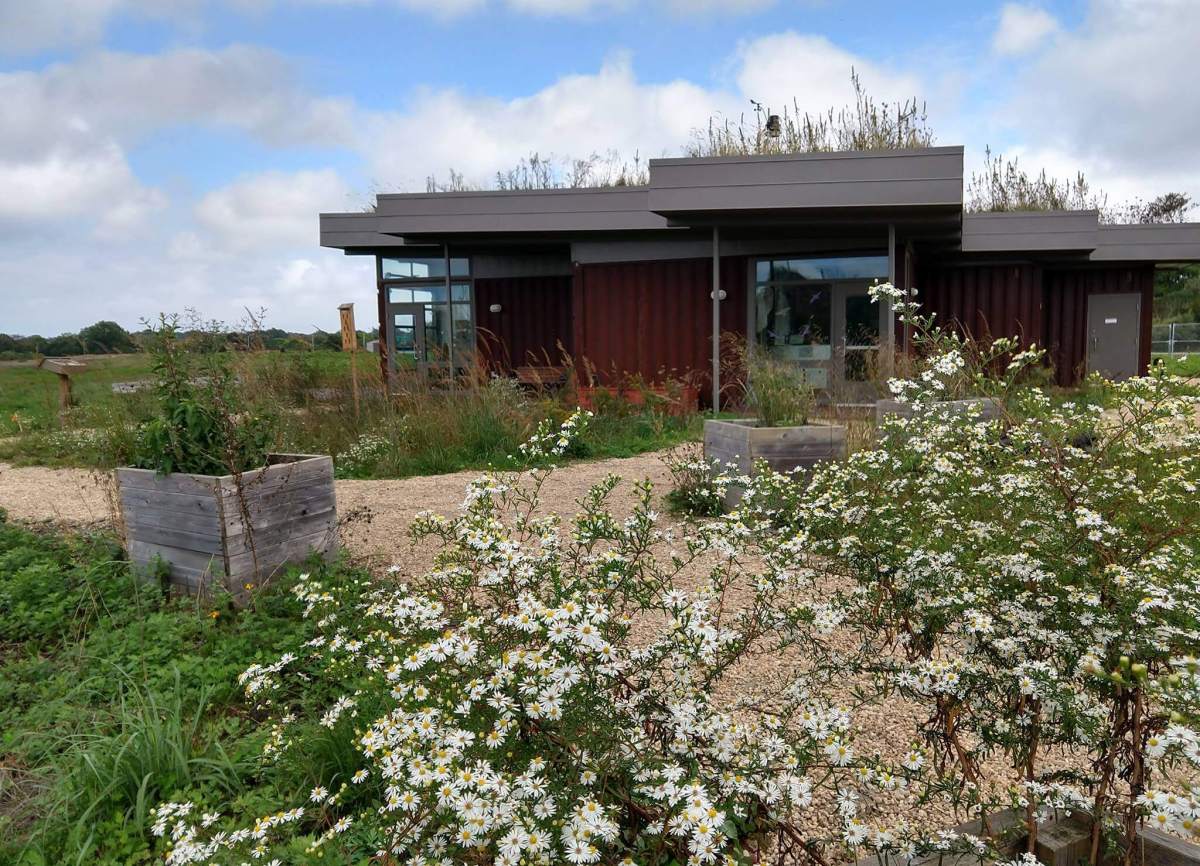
[822,268]
[422,268]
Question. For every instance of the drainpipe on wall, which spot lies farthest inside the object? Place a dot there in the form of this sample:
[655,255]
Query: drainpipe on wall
[716,320]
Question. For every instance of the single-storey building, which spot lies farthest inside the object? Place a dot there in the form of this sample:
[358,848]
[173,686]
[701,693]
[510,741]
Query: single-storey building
[779,249]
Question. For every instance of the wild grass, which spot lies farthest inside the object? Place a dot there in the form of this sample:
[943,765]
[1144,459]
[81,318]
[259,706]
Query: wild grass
[114,697]
[413,426]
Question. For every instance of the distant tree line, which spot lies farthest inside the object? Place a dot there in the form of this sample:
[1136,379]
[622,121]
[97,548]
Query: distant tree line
[109,338]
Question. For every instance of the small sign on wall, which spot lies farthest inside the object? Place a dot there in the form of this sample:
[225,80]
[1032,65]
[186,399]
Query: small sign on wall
[1110,321]
[349,334]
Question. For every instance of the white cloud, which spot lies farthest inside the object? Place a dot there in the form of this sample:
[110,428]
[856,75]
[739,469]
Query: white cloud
[271,210]
[129,95]
[1113,94]
[575,116]
[66,130]
[812,70]
[1022,29]
[30,26]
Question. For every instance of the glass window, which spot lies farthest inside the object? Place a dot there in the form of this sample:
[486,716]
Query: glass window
[460,292]
[437,334]
[862,338]
[422,268]
[823,268]
[404,329]
[431,294]
[794,322]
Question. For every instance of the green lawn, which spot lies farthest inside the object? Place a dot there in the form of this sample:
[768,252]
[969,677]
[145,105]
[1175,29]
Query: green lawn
[1187,366]
[32,394]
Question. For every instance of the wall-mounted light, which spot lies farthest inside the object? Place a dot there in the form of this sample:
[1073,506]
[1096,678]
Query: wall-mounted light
[495,308]
[720,295]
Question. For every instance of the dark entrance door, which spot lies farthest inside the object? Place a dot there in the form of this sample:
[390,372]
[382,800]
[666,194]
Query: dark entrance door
[1114,328]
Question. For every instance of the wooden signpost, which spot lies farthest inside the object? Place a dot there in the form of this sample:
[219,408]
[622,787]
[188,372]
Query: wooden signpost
[350,344]
[64,368]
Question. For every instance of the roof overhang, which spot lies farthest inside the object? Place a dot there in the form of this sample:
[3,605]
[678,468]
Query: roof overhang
[1030,231]
[1160,242]
[901,181]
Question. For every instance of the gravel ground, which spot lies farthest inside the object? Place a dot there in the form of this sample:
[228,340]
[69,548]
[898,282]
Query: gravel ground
[375,519]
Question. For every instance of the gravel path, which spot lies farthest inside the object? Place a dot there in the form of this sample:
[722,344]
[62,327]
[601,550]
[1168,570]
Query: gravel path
[375,519]
[375,514]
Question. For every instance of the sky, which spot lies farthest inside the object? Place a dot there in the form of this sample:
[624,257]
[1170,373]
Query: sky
[157,155]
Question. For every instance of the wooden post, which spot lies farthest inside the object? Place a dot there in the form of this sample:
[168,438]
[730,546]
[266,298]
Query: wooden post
[64,368]
[350,344]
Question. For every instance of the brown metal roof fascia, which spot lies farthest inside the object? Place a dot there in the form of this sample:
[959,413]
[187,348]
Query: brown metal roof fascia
[923,177]
[1030,231]
[501,212]
[1160,242]
[353,231]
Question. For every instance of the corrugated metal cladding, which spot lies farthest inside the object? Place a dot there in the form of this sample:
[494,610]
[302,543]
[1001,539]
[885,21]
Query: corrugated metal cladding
[1067,292]
[1047,306]
[534,317]
[986,300]
[654,318]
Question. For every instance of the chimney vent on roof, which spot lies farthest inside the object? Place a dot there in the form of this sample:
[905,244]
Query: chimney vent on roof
[773,126]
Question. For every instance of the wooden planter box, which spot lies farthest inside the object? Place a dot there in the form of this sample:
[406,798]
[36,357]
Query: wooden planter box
[680,402]
[231,529]
[1062,841]
[742,442]
[989,408]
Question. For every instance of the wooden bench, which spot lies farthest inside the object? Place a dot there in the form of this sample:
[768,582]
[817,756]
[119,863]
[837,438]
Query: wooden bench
[536,376]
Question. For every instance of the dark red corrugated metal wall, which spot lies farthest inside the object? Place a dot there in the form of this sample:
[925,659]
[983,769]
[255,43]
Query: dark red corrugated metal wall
[1066,294]
[534,317]
[654,318]
[986,300]
[1048,307]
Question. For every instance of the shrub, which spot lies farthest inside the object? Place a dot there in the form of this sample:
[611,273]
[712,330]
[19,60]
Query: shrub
[698,486]
[944,364]
[550,694]
[1032,585]
[204,423]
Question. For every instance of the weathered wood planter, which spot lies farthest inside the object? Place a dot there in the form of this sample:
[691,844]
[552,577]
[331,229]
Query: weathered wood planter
[1062,841]
[235,530]
[989,408]
[741,442]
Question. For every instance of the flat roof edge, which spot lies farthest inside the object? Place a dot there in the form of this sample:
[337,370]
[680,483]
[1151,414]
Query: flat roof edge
[943,150]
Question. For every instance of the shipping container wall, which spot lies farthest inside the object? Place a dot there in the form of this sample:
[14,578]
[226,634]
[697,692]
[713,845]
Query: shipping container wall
[533,320]
[1066,294]
[654,319]
[986,300]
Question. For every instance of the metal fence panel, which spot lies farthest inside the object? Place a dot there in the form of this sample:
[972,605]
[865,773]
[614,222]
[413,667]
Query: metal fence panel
[1176,338]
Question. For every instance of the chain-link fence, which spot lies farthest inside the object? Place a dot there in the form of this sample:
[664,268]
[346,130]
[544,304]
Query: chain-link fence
[1177,338]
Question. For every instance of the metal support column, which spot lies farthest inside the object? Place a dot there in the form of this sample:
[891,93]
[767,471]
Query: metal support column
[449,319]
[716,319]
[889,336]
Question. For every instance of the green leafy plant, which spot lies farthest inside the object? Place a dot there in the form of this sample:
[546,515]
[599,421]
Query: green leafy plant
[204,423]
[776,393]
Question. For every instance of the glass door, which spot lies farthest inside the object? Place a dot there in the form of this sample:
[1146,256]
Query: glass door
[408,335]
[815,313]
[795,324]
[856,356]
